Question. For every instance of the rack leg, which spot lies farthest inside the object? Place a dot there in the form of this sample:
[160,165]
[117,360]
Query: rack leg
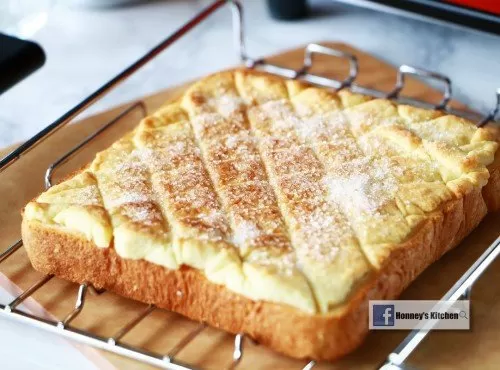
[309,365]
[80,302]
[238,350]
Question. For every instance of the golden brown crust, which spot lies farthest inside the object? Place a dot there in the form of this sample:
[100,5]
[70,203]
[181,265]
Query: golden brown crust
[294,332]
[281,327]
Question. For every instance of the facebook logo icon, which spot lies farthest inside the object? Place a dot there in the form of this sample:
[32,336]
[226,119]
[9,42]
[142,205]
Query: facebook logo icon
[383,315]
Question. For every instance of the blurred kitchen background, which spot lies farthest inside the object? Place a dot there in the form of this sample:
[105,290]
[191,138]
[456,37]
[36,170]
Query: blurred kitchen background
[86,45]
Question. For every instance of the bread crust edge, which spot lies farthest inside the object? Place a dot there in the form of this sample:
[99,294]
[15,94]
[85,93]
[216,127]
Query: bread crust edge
[285,329]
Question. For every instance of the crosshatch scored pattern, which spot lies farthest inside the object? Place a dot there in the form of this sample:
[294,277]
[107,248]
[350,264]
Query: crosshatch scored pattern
[279,191]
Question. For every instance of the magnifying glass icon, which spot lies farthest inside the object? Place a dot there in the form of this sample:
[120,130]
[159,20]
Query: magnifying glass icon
[463,315]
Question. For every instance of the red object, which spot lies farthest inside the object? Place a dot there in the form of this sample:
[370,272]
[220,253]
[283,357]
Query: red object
[489,6]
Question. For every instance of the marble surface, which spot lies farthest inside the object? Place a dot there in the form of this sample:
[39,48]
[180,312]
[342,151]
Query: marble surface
[86,47]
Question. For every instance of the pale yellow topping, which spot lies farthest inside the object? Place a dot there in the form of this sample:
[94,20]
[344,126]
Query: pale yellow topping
[279,191]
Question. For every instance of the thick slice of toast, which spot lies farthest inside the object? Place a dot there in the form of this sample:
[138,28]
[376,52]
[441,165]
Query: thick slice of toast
[269,207]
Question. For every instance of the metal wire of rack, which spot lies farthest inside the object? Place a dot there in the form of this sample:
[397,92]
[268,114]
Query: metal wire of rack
[395,360]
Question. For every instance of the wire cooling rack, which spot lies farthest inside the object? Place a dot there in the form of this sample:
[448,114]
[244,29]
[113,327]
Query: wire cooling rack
[395,360]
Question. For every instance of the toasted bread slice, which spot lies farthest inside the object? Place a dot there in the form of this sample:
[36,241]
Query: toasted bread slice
[275,208]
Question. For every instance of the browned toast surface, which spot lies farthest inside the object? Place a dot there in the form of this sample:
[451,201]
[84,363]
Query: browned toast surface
[269,207]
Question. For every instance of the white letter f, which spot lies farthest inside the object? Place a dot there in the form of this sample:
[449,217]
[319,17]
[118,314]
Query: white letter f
[387,315]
